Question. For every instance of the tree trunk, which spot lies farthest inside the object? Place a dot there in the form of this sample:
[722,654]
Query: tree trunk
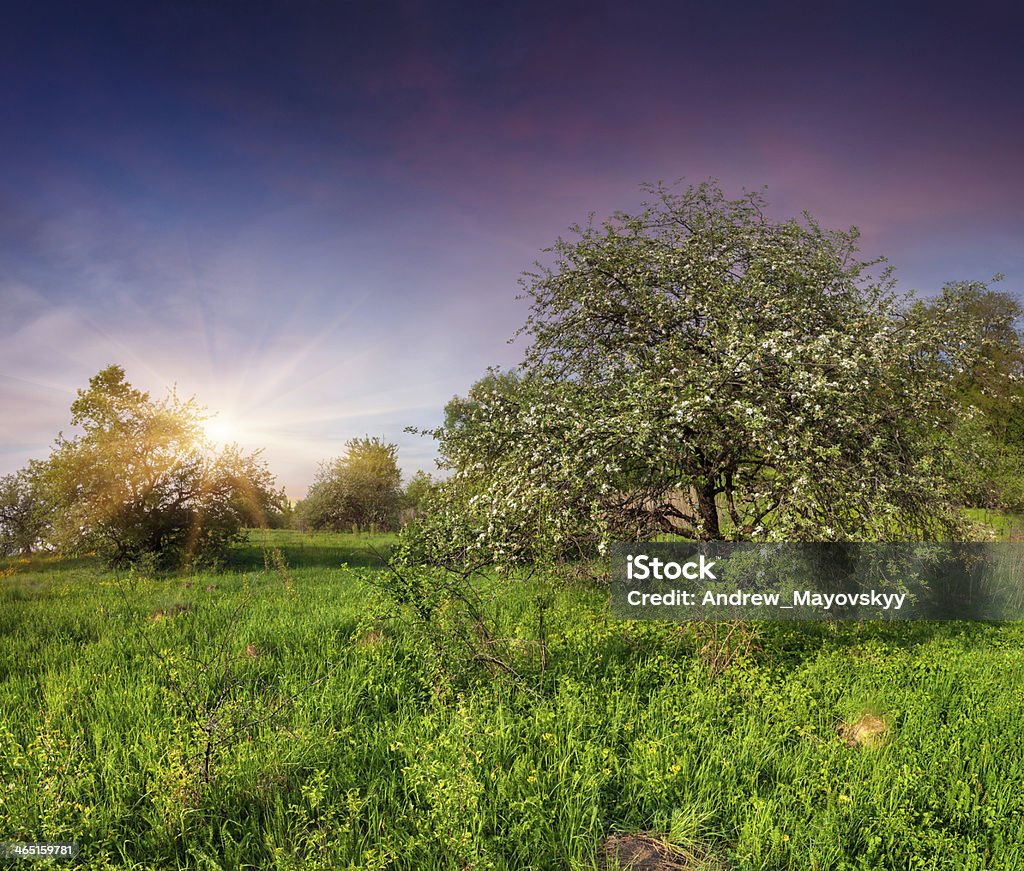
[708,511]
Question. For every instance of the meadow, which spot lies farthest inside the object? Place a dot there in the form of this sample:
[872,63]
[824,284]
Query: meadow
[276,714]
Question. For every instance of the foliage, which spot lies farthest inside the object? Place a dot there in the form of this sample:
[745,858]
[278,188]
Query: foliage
[991,475]
[416,493]
[360,489]
[279,513]
[22,514]
[141,483]
[449,614]
[462,413]
[697,368]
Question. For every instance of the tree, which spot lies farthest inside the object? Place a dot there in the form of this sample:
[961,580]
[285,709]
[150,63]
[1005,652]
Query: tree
[417,491]
[142,483]
[361,489]
[698,368]
[991,471]
[461,412]
[22,514]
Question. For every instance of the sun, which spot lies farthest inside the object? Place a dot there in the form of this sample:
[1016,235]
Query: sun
[220,430]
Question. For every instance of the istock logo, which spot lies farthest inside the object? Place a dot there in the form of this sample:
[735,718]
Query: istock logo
[643,567]
[720,580]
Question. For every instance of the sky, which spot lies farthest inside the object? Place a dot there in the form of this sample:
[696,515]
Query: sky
[312,215]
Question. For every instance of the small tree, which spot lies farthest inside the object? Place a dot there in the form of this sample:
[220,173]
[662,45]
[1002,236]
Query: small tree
[22,514]
[416,492]
[361,489]
[142,482]
[990,467]
[698,368]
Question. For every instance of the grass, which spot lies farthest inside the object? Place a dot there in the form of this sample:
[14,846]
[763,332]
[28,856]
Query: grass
[1005,526]
[335,745]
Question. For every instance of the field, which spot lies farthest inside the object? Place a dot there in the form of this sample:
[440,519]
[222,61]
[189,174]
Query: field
[268,716]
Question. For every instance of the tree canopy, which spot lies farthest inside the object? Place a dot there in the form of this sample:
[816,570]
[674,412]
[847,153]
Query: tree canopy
[417,491]
[361,488]
[701,369]
[990,467]
[141,482]
[22,514]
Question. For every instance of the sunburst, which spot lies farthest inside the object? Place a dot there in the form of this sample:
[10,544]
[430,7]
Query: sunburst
[222,430]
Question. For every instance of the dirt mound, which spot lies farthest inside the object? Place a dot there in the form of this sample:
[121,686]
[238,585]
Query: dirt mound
[866,731]
[643,852]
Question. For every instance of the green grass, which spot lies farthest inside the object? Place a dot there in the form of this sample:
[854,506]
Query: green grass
[1006,526]
[728,745]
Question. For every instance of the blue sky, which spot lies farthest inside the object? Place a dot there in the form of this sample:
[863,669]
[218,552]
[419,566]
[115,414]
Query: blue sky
[313,215]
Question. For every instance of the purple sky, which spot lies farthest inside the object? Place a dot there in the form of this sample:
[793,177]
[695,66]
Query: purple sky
[312,215]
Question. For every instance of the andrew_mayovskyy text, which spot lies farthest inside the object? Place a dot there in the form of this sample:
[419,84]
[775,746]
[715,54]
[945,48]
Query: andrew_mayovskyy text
[743,598]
